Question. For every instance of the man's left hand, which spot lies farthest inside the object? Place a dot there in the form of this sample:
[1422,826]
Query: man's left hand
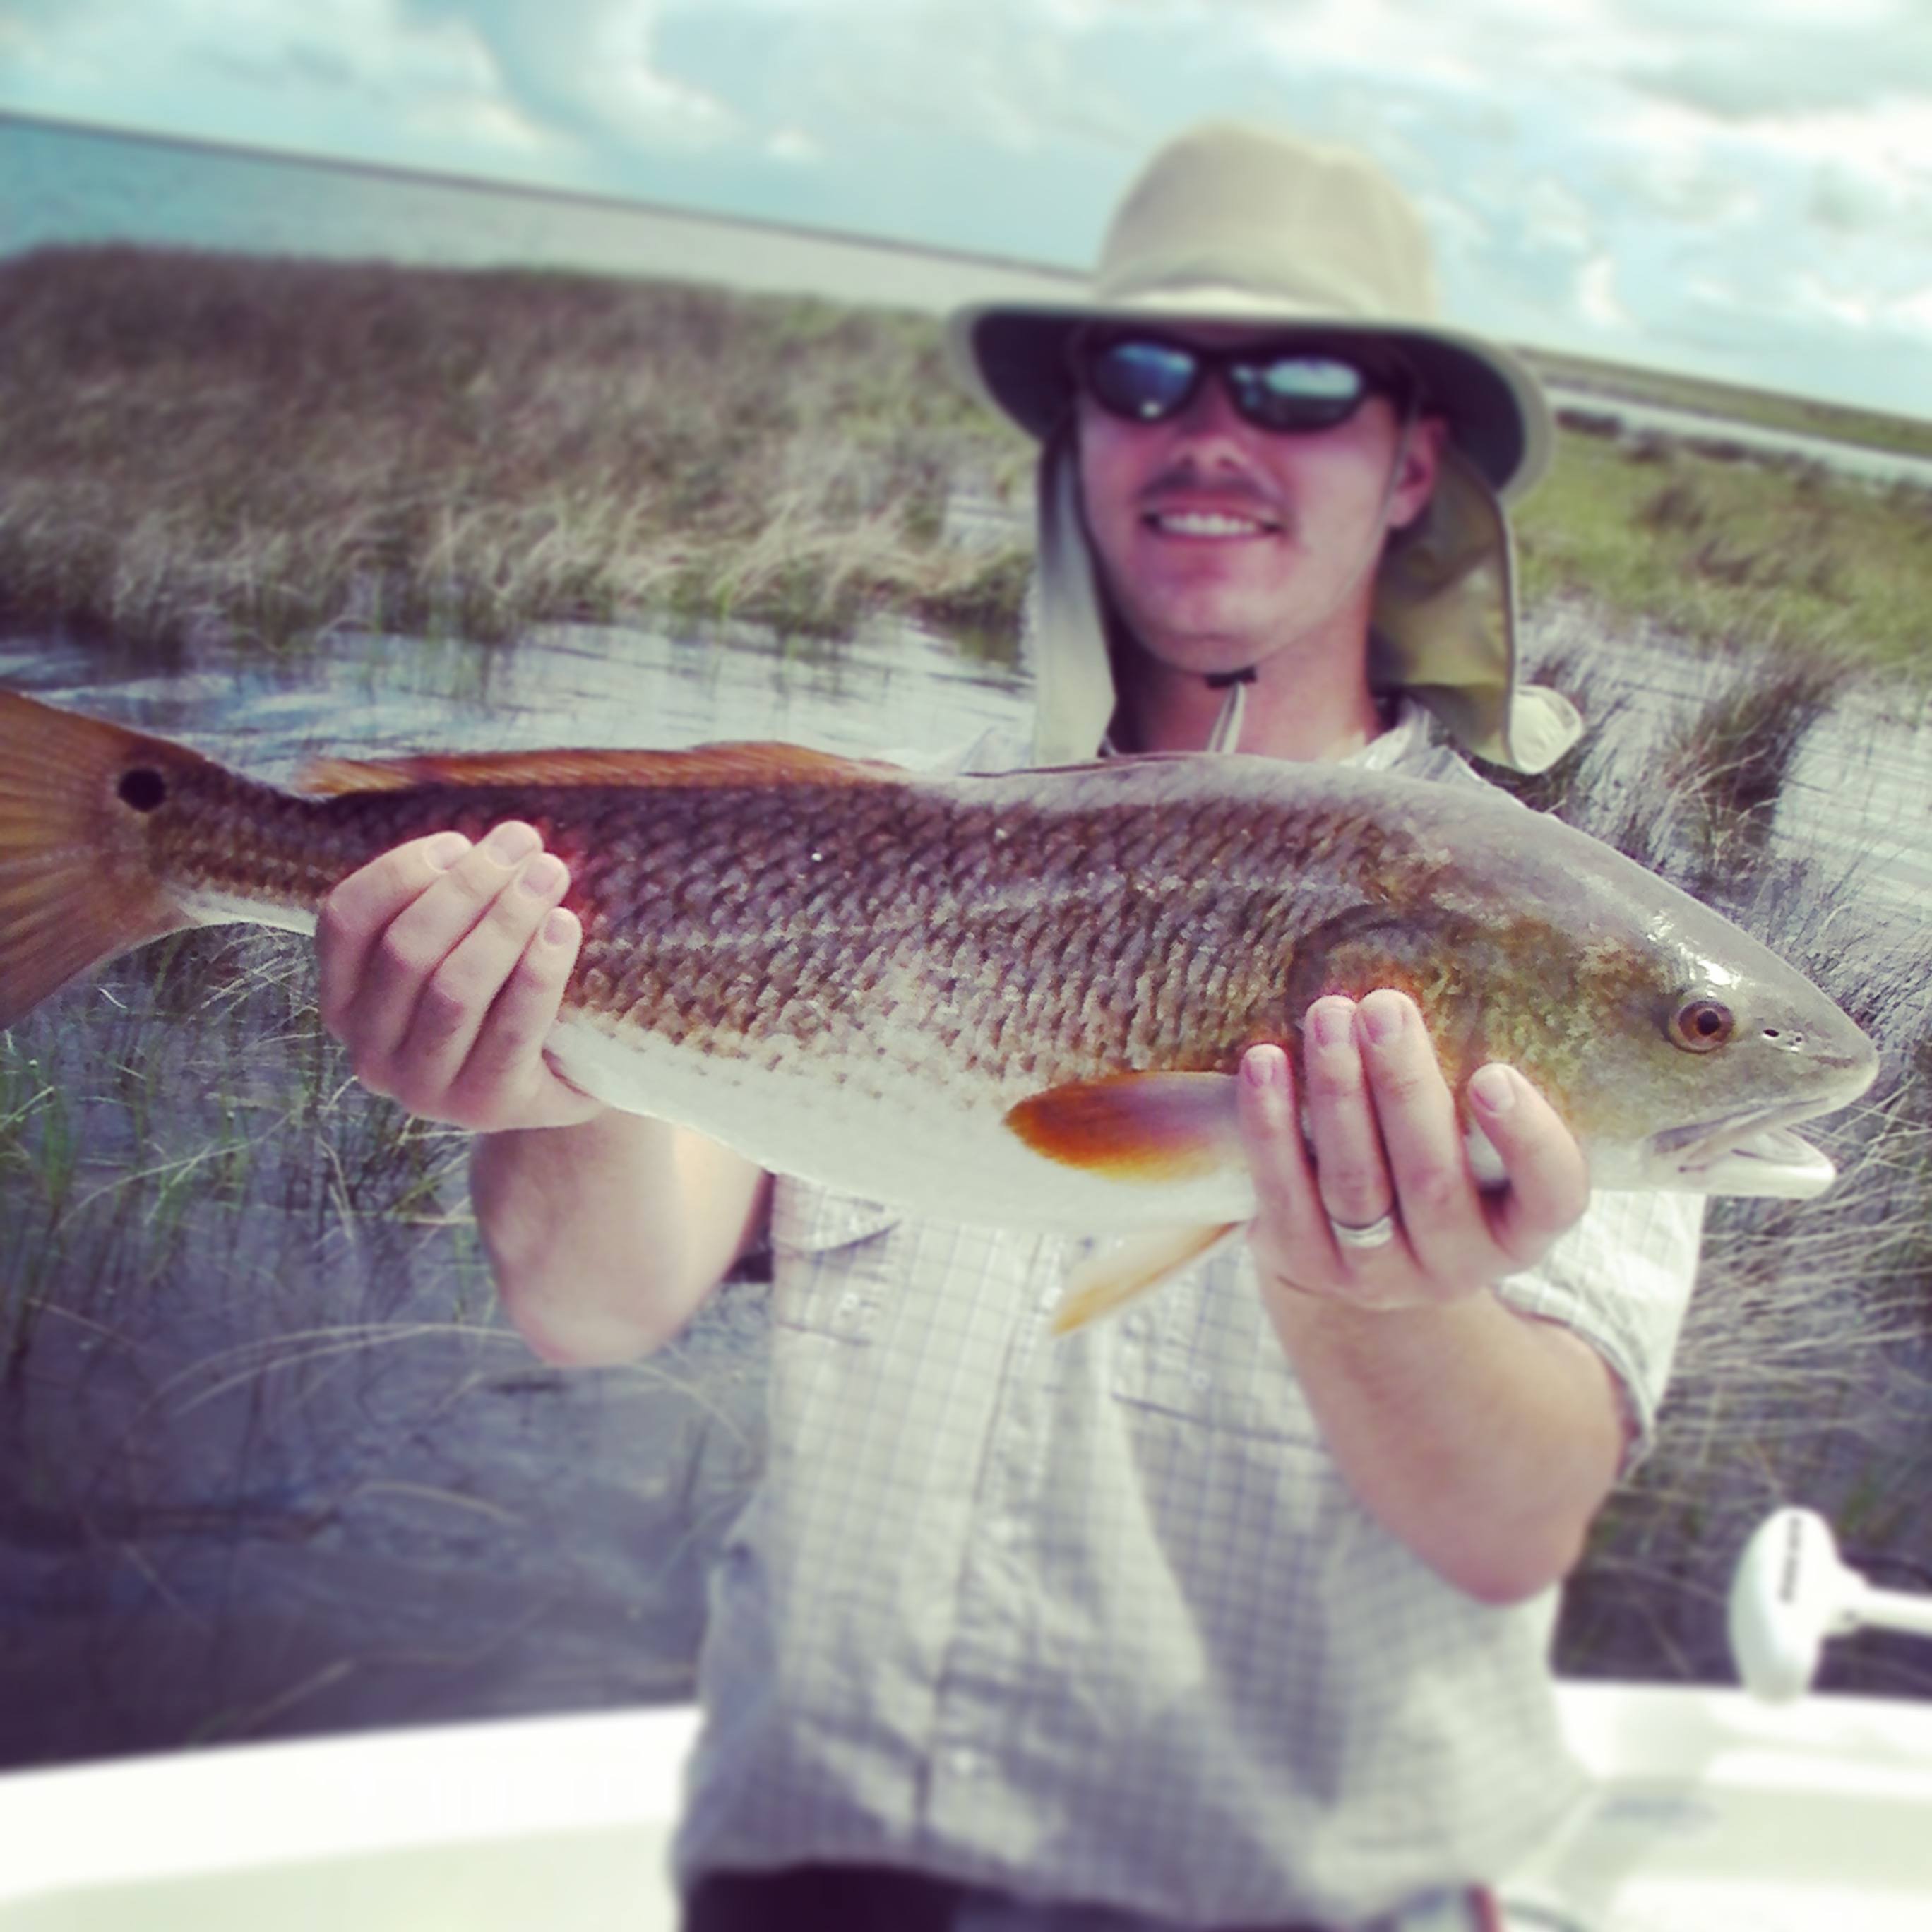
[1387,1151]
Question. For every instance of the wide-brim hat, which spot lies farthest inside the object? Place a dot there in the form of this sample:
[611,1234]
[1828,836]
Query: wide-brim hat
[1253,227]
[1246,226]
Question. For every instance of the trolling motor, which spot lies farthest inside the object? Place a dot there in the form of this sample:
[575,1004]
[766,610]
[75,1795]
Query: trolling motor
[1792,1593]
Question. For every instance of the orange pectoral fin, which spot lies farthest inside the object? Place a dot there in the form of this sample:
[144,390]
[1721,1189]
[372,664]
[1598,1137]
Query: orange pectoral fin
[1136,1126]
[743,764]
[1131,1267]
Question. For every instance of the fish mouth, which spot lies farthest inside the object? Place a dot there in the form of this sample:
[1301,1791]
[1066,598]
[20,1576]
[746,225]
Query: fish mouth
[1754,1153]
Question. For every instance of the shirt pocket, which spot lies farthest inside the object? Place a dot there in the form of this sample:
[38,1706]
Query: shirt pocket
[1202,1350]
[830,1272]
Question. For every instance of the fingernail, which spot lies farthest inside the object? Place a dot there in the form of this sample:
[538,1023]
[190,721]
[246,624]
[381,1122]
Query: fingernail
[1493,1089]
[1332,1022]
[1263,1067]
[509,843]
[543,877]
[560,928]
[445,849]
[1383,1020]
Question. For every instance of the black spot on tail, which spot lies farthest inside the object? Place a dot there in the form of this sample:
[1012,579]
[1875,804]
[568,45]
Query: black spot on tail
[142,789]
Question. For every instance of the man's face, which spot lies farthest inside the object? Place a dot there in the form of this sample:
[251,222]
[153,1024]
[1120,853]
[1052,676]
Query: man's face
[1222,542]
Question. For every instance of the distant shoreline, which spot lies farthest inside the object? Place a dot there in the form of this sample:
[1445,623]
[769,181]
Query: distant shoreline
[708,246]
[1066,278]
[954,274]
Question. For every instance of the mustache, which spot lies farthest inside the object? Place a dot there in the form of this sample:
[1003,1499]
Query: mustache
[1232,488]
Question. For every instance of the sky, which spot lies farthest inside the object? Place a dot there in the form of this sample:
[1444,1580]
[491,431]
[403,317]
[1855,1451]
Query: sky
[1741,188]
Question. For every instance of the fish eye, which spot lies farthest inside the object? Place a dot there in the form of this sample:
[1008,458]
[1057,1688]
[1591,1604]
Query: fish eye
[142,788]
[1703,1024]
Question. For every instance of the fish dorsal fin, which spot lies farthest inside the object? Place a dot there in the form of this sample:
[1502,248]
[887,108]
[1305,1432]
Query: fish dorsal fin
[1136,1126]
[736,764]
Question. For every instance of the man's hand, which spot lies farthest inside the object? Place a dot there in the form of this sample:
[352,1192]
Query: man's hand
[1387,1143]
[1483,1440]
[443,965]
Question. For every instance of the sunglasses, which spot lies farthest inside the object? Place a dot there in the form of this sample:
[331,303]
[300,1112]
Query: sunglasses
[1290,387]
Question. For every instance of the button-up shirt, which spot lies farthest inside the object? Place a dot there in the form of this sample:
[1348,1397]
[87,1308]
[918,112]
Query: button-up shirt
[1098,1618]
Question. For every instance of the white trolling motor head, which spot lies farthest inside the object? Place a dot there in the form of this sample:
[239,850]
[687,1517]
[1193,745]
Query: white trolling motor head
[1792,1593]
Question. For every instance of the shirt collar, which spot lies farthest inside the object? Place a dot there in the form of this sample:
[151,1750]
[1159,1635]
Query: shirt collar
[1408,735]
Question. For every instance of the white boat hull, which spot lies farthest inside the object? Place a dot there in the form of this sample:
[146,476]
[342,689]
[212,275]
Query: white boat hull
[1710,1813]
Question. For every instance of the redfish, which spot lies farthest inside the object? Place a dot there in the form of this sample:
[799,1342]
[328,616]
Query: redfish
[1018,998]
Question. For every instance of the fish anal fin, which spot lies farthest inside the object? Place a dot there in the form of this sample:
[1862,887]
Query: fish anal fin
[1136,1126]
[734,764]
[1132,1266]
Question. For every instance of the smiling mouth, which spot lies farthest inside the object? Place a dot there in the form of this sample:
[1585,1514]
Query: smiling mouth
[1218,525]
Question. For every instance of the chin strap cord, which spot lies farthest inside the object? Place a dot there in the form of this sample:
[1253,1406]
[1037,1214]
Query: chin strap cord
[1226,736]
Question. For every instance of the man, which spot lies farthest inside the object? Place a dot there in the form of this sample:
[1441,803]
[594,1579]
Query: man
[1234,1612]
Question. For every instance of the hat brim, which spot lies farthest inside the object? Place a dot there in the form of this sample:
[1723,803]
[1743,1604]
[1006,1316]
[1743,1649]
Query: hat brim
[1014,355]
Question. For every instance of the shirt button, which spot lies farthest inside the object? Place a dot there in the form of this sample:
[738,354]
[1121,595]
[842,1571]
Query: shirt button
[966,1761]
[1201,1379]
[848,1304]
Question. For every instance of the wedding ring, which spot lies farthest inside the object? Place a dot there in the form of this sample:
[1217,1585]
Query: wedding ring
[1377,1234]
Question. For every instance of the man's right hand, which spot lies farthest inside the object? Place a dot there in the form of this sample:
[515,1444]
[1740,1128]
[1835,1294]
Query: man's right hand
[443,966]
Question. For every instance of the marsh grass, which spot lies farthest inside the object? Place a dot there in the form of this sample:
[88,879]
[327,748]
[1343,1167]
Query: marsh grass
[204,446]
[1804,1373]
[164,1104]
[1723,770]
[1716,547]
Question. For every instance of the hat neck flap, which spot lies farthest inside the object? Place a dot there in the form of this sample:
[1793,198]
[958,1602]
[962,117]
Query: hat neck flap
[1443,626]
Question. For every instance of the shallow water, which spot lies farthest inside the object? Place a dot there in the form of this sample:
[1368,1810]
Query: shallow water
[890,686]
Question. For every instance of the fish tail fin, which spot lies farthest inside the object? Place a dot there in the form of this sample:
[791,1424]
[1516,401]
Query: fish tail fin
[77,884]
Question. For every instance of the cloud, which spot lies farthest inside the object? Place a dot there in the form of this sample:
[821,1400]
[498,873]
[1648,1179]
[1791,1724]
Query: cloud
[1907,311]
[1665,175]
[1782,64]
[353,77]
[1555,216]
[1914,312]
[1851,200]
[792,144]
[1597,301]
[584,68]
